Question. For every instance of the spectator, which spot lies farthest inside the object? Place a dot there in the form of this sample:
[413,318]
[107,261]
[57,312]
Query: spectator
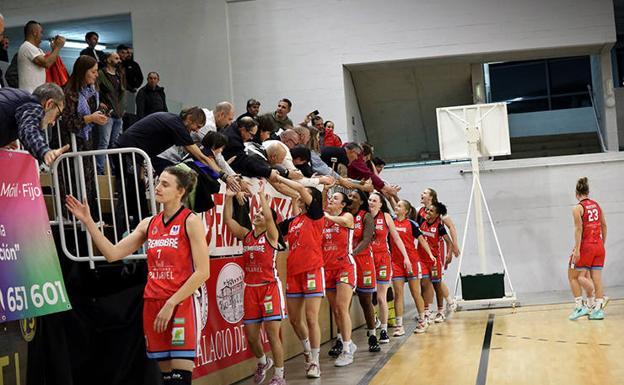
[57,72]
[112,100]
[238,133]
[330,139]
[151,98]
[278,120]
[131,69]
[379,164]
[92,38]
[253,108]
[358,169]
[25,116]
[31,61]
[80,117]
[216,120]
[336,158]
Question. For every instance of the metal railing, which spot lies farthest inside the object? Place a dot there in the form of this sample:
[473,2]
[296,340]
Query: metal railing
[72,173]
[596,118]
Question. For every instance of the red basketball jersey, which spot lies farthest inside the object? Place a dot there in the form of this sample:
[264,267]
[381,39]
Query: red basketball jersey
[337,245]
[259,259]
[592,231]
[169,259]
[358,233]
[406,231]
[433,234]
[422,213]
[304,242]
[379,244]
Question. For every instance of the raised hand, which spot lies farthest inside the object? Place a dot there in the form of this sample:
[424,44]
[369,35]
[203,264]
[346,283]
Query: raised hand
[79,209]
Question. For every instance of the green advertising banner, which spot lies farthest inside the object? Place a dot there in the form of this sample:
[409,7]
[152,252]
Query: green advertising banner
[31,283]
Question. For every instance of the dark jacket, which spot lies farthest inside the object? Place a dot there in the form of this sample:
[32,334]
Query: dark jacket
[134,76]
[10,100]
[244,164]
[100,56]
[150,100]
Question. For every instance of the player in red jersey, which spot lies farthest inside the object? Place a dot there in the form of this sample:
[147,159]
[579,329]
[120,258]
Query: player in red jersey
[384,225]
[590,235]
[434,231]
[264,300]
[340,275]
[408,230]
[428,197]
[178,263]
[363,233]
[305,284]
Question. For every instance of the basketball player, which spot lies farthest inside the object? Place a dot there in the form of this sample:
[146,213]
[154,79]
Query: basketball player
[264,300]
[408,231]
[384,225]
[590,235]
[305,285]
[340,269]
[363,233]
[433,230]
[428,197]
[178,263]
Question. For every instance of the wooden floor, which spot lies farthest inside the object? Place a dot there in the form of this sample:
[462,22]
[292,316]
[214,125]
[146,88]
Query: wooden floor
[529,345]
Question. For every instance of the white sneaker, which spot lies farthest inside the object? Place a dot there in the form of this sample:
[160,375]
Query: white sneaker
[439,318]
[451,307]
[314,370]
[344,359]
[421,327]
[260,373]
[307,360]
[398,331]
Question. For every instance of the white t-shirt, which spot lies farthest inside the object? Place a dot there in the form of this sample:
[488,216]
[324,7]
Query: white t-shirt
[30,75]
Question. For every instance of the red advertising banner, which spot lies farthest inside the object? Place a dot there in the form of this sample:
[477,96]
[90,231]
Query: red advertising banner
[222,342]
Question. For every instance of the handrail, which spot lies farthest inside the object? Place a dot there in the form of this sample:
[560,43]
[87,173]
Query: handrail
[598,130]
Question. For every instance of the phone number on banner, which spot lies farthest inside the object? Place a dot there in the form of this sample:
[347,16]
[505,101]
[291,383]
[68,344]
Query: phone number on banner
[21,298]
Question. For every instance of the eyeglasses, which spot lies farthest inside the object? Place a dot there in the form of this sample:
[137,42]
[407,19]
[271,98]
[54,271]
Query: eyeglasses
[58,108]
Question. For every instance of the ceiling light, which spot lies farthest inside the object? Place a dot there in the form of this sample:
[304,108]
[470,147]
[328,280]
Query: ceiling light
[79,45]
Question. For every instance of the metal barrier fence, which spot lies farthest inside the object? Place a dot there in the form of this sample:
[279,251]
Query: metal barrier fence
[75,173]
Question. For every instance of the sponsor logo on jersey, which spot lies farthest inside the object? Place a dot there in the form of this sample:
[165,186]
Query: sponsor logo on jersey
[154,230]
[175,230]
[262,241]
[163,242]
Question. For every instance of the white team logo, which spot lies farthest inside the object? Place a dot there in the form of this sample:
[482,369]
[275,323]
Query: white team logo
[261,241]
[202,298]
[433,229]
[175,230]
[230,291]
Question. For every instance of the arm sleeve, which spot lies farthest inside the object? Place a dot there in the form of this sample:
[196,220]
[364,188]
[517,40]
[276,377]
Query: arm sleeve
[140,103]
[71,120]
[320,167]
[182,136]
[358,170]
[315,210]
[30,134]
[415,229]
[283,225]
[224,165]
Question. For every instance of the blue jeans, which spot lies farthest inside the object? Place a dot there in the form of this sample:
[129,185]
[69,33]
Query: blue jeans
[107,135]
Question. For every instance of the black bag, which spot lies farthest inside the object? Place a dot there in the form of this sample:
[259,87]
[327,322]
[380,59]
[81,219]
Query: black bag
[11,76]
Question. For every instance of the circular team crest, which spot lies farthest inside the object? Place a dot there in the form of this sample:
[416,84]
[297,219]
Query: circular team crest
[230,291]
[154,230]
[28,327]
[202,298]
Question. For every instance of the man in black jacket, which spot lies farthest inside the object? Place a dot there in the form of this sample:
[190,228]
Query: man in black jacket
[132,70]
[151,98]
[246,162]
[92,38]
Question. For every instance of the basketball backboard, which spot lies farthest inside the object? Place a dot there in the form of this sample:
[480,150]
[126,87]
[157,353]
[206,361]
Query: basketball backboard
[489,119]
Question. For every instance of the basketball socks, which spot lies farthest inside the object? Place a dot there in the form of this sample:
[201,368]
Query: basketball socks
[339,337]
[578,301]
[315,354]
[262,360]
[384,327]
[591,301]
[399,321]
[599,303]
[306,345]
[279,372]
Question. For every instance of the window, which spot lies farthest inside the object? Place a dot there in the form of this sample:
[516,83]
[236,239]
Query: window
[541,85]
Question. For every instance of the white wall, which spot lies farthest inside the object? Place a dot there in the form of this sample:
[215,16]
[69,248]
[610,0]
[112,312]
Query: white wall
[530,201]
[185,41]
[296,48]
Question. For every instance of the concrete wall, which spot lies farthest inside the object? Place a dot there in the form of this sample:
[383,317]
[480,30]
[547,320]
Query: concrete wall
[210,50]
[530,201]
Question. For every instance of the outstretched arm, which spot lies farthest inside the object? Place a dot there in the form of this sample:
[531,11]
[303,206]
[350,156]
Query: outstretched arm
[239,231]
[272,232]
[344,220]
[302,190]
[112,252]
